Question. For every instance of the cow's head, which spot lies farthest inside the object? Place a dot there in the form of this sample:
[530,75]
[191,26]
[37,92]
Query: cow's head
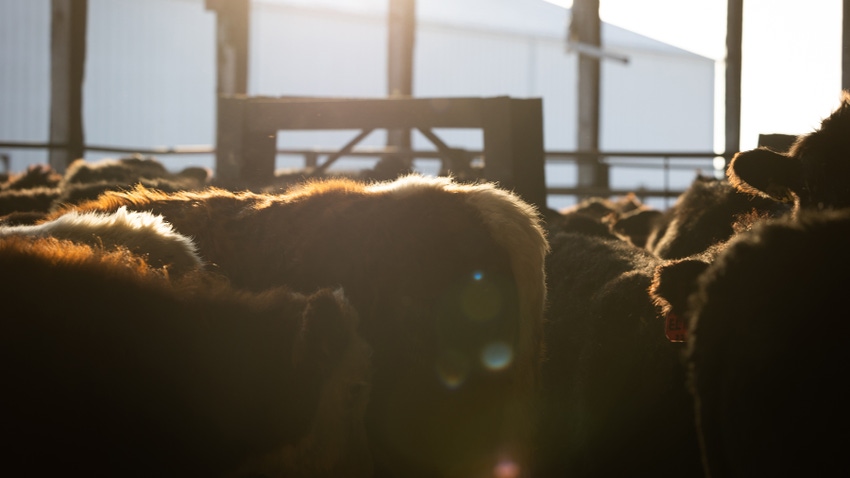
[814,173]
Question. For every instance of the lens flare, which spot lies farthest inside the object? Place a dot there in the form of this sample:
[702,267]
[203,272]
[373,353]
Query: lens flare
[481,300]
[506,469]
[497,355]
[452,369]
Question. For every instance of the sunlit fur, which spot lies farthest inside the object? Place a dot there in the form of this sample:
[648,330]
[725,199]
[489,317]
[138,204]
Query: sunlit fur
[394,246]
[813,174]
[110,368]
[710,211]
[142,233]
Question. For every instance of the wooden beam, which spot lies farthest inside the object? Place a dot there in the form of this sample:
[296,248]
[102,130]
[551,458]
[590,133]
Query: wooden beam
[845,43]
[400,46]
[734,35]
[586,29]
[67,68]
[232,33]
[514,155]
[232,19]
[512,129]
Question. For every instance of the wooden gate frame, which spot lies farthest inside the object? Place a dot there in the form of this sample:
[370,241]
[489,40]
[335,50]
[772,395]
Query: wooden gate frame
[512,129]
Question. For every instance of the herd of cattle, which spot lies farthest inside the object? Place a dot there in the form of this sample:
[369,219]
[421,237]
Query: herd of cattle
[157,325]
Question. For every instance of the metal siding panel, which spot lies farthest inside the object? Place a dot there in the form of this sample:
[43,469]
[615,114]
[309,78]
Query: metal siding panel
[150,77]
[150,74]
[24,77]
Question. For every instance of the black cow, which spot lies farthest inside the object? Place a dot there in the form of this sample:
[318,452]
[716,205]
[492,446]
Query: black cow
[813,174]
[709,212]
[614,400]
[767,347]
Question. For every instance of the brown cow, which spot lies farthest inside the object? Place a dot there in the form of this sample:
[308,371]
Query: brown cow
[111,369]
[448,279]
[142,233]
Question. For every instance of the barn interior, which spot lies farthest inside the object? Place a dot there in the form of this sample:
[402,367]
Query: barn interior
[397,268]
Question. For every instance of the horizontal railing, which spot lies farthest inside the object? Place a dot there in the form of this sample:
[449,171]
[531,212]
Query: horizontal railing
[666,161]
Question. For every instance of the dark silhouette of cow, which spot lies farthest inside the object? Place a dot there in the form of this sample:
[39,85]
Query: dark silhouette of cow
[614,400]
[110,368]
[709,212]
[767,346]
[813,174]
[448,279]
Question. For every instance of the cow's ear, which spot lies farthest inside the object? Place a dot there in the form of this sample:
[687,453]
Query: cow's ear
[765,172]
[636,225]
[327,325]
[673,282]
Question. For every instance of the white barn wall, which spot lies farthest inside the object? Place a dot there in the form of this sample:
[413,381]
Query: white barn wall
[306,51]
[659,101]
[150,74]
[25,77]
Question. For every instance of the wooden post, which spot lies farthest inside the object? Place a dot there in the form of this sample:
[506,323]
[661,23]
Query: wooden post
[845,43]
[232,27]
[734,29]
[400,45]
[514,154]
[67,68]
[585,29]
[232,32]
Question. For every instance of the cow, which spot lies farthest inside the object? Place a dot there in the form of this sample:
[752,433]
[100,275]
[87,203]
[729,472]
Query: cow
[142,233]
[710,211]
[624,217]
[31,195]
[448,278]
[36,201]
[637,225]
[813,174]
[128,170]
[765,381]
[614,400]
[110,368]
[35,176]
[84,180]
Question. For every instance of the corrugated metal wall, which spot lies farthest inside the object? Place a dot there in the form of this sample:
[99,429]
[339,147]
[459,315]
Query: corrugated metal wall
[150,77]
[25,76]
[150,73]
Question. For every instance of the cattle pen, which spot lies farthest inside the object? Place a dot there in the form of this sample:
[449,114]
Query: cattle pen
[318,271]
[235,22]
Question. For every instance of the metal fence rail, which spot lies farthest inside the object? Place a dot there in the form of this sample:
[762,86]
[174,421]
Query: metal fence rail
[666,161]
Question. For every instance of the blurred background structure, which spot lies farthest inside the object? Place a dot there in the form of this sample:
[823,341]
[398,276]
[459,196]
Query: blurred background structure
[153,69]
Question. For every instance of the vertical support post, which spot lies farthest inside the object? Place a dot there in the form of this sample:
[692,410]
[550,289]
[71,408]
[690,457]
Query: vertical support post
[67,70]
[230,122]
[258,156]
[245,153]
[845,44]
[514,154]
[734,35]
[400,46]
[232,28]
[232,33]
[585,29]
